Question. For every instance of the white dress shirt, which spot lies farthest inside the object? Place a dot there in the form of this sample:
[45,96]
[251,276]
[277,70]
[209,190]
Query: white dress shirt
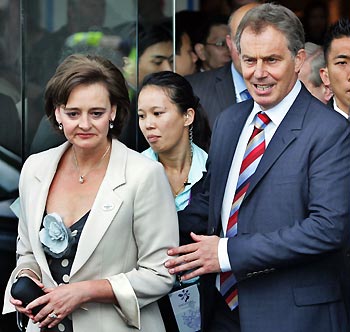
[276,114]
[337,109]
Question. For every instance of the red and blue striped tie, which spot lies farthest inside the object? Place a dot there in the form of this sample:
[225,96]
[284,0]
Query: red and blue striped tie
[254,152]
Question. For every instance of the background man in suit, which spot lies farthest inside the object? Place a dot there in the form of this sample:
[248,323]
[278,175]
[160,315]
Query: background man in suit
[219,88]
[337,71]
[310,72]
[292,201]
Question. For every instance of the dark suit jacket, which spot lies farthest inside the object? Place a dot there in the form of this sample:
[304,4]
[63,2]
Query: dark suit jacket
[215,89]
[292,224]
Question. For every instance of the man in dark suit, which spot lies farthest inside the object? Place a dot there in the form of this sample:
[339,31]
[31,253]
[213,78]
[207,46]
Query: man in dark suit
[292,201]
[336,73]
[219,88]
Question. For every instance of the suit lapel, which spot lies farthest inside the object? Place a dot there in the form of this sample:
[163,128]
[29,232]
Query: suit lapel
[105,207]
[226,148]
[285,134]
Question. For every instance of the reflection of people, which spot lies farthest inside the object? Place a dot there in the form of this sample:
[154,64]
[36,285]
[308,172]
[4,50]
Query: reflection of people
[155,49]
[337,70]
[310,72]
[110,208]
[155,53]
[277,239]
[220,88]
[185,57]
[171,119]
[46,54]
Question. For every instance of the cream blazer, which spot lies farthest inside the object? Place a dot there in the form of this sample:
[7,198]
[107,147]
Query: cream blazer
[131,225]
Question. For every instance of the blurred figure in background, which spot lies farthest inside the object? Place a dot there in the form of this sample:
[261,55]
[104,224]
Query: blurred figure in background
[315,21]
[185,57]
[224,86]
[210,44]
[310,72]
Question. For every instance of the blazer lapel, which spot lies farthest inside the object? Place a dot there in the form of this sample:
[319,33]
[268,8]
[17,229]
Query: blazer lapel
[41,185]
[105,207]
[285,134]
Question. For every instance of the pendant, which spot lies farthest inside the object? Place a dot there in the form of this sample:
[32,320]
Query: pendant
[81,179]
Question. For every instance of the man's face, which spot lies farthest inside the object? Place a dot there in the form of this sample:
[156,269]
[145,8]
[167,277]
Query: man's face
[186,60]
[268,67]
[214,55]
[157,57]
[338,71]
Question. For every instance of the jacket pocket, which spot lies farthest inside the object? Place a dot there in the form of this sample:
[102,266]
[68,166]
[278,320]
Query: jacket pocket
[317,294]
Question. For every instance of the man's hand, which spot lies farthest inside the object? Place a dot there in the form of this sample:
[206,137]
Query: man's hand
[200,257]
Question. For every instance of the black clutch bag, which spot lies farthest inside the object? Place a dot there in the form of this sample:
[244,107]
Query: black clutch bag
[26,290]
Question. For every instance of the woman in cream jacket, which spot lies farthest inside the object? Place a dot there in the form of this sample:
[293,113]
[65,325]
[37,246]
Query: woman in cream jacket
[113,206]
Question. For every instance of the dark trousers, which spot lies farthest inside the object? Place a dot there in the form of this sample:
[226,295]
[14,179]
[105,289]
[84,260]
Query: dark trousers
[224,320]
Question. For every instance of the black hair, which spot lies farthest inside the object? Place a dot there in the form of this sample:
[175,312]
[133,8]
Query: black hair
[181,94]
[339,29]
[153,34]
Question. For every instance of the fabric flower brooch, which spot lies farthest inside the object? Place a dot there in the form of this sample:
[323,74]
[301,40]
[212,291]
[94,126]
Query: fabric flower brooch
[56,238]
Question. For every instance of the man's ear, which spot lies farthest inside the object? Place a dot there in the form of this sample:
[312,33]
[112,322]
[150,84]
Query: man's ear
[324,76]
[199,49]
[299,60]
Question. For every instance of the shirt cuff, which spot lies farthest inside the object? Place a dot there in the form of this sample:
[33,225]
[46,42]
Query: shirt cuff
[224,260]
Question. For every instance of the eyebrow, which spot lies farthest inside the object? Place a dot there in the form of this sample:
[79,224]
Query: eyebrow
[342,56]
[90,109]
[154,108]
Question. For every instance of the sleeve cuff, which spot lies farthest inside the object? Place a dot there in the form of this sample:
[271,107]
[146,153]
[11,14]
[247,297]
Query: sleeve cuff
[128,306]
[224,260]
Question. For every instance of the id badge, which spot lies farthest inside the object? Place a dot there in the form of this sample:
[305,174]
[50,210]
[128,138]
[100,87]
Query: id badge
[185,305]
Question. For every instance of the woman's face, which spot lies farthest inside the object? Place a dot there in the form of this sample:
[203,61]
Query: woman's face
[85,117]
[163,125]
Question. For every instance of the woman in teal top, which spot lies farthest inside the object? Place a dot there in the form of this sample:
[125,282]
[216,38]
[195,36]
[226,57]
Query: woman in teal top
[177,130]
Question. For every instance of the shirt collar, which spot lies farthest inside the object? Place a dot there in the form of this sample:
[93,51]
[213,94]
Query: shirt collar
[336,108]
[278,112]
[237,80]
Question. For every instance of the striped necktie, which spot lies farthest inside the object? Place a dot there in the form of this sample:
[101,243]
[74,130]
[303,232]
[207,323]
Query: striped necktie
[252,156]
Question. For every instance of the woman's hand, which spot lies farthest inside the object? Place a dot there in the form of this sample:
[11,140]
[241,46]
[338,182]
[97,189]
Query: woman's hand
[18,303]
[58,303]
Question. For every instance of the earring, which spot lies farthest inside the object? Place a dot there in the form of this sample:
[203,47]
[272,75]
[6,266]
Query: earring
[60,126]
[190,134]
[111,125]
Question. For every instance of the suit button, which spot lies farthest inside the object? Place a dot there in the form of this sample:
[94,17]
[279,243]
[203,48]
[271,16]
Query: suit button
[249,275]
[211,231]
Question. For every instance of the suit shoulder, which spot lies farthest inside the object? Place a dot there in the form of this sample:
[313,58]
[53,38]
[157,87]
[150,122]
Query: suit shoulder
[326,116]
[203,76]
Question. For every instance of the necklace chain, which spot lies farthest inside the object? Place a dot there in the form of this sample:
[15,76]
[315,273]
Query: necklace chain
[175,193]
[82,176]
[186,183]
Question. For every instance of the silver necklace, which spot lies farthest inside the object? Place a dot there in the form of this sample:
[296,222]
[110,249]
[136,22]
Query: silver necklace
[83,176]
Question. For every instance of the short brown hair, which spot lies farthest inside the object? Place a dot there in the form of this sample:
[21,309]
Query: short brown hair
[79,69]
